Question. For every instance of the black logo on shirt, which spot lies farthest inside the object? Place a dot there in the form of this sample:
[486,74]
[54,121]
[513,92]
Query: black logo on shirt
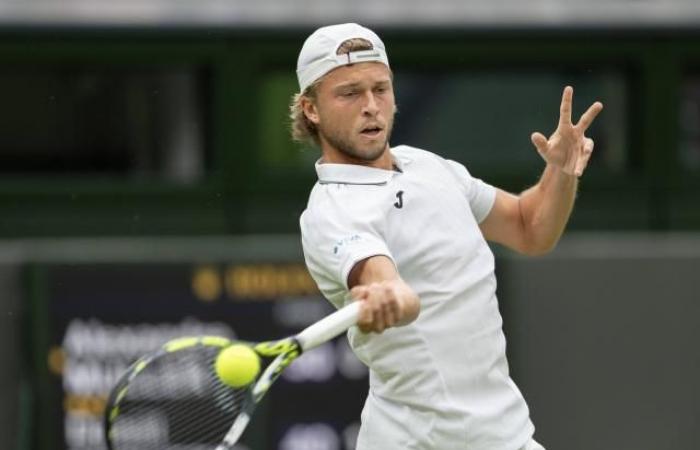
[399,204]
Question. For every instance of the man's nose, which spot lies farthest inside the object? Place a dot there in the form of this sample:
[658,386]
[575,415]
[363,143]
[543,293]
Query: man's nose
[370,107]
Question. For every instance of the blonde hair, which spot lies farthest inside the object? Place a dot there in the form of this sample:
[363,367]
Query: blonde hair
[302,129]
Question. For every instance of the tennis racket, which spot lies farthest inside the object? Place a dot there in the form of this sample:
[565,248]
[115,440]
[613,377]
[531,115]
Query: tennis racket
[173,398]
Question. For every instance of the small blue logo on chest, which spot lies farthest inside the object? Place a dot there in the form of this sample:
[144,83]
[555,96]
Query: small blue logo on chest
[345,241]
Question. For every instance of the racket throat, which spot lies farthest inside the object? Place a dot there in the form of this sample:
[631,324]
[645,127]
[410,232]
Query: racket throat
[234,434]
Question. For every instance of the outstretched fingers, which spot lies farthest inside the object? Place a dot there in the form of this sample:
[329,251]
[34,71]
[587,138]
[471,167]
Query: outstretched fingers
[568,148]
[566,106]
[588,117]
[540,142]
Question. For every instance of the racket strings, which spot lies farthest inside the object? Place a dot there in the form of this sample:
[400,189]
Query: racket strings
[176,402]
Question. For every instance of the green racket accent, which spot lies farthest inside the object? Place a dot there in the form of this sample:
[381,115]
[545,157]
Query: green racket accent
[288,348]
[179,344]
[216,341]
[275,348]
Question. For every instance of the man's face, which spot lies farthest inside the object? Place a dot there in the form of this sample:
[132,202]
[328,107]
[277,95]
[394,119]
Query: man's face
[354,111]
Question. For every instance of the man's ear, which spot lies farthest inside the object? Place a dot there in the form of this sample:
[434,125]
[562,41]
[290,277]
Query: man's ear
[310,110]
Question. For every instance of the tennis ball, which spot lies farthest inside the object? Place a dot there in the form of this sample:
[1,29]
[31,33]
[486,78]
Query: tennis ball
[237,365]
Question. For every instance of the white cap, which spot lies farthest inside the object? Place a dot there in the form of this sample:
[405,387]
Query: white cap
[319,55]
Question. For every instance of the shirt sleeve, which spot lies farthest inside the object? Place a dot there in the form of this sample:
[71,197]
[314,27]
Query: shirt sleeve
[481,195]
[339,232]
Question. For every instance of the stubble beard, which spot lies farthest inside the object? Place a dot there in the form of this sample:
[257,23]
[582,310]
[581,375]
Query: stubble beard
[344,145]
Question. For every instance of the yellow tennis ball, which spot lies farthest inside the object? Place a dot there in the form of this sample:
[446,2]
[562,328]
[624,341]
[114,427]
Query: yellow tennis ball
[237,365]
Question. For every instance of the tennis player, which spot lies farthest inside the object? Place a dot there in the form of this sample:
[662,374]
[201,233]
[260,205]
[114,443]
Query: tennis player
[404,231]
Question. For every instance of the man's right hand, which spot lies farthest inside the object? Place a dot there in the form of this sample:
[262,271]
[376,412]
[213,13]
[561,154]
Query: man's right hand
[387,300]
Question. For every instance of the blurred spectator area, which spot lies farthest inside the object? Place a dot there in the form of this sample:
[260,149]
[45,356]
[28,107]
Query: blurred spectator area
[170,118]
[125,121]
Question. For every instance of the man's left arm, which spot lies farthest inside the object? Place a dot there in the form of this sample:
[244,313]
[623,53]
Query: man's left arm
[533,221]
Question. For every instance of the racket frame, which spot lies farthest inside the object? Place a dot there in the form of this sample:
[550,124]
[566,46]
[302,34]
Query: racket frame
[284,351]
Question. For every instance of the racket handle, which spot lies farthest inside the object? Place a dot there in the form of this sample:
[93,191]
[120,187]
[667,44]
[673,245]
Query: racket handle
[329,327]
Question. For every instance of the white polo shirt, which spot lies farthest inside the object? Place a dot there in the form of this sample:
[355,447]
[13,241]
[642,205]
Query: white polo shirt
[442,381]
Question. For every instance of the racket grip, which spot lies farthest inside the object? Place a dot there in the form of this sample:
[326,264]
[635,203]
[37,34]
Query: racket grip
[329,327]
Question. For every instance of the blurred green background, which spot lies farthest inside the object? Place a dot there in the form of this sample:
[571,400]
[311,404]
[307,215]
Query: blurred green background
[186,133]
[148,144]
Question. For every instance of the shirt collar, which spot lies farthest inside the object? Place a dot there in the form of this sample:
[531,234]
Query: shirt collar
[329,173]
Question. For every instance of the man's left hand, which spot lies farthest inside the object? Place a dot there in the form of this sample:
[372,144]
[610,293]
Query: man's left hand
[568,148]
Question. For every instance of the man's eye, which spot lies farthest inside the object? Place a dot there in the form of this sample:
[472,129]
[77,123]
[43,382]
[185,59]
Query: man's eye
[349,94]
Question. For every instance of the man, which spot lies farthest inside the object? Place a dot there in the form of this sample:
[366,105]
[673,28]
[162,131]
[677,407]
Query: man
[404,232]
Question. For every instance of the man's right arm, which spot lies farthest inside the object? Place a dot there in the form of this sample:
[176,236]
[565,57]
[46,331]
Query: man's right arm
[387,300]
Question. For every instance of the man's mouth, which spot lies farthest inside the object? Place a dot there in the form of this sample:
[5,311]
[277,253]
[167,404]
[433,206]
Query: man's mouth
[372,131]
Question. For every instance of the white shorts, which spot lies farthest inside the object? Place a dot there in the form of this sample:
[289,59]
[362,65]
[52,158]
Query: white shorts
[391,426]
